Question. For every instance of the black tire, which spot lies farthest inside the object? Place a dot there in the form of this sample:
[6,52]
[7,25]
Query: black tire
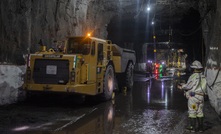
[120,81]
[21,95]
[108,85]
[129,76]
[30,96]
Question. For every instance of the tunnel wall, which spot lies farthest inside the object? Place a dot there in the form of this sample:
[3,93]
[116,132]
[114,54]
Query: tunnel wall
[24,22]
[11,80]
[211,27]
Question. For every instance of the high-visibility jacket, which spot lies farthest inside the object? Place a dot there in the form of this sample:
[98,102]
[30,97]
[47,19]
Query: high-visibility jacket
[195,88]
[196,83]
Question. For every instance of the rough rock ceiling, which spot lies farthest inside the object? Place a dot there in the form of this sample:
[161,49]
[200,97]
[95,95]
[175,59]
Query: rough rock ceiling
[167,14]
[163,9]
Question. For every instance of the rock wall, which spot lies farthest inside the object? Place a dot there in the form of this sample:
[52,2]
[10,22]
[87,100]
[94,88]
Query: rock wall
[10,81]
[24,22]
[211,27]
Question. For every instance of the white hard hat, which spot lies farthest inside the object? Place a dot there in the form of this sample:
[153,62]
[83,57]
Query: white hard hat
[196,64]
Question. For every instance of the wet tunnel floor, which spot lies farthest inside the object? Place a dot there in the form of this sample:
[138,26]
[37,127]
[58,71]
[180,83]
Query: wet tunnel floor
[151,107]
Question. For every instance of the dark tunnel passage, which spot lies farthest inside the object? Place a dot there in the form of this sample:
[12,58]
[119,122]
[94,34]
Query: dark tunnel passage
[130,30]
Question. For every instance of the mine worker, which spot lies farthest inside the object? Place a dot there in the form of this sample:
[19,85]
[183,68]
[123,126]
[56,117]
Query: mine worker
[194,90]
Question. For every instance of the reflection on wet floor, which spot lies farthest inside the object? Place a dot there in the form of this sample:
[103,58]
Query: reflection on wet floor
[159,94]
[100,121]
[151,107]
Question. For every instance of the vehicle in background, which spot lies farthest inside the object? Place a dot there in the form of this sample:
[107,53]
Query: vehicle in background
[176,62]
[166,58]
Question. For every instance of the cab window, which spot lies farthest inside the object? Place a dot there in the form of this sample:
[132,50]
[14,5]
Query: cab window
[93,48]
[100,52]
[79,46]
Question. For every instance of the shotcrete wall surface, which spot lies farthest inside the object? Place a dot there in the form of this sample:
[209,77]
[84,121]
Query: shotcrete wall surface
[214,87]
[211,27]
[24,23]
[10,82]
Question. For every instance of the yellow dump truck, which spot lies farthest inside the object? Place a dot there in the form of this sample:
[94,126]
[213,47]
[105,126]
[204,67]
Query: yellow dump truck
[83,65]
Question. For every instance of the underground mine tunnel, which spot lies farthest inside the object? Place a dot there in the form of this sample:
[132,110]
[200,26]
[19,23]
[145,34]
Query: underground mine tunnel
[154,31]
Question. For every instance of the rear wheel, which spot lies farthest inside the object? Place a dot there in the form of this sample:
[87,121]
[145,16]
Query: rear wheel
[129,74]
[125,80]
[108,85]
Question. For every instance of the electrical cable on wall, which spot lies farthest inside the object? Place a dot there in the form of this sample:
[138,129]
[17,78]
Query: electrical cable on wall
[214,82]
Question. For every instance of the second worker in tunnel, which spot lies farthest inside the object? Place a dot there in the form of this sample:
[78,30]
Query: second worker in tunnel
[195,89]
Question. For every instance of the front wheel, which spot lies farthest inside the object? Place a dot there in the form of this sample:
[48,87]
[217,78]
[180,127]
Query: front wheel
[108,83]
